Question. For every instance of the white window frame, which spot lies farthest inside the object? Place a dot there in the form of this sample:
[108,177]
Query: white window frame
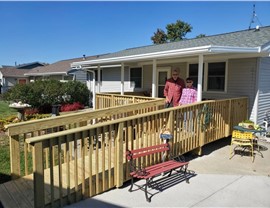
[205,75]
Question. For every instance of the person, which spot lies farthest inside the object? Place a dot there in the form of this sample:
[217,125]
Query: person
[173,89]
[189,94]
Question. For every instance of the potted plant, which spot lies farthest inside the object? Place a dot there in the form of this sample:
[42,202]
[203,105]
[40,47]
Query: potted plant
[248,124]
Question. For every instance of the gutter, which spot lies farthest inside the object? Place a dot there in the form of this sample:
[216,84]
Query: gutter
[172,53]
[48,73]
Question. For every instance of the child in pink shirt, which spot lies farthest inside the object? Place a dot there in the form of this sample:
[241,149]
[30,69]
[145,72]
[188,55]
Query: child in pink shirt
[189,94]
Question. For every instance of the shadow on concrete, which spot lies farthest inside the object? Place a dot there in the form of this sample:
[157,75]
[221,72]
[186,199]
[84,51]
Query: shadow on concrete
[209,148]
[161,183]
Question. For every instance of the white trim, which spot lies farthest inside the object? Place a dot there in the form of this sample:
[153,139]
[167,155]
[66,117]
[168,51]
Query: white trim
[166,69]
[154,79]
[46,73]
[122,78]
[205,74]
[226,49]
[104,66]
[171,53]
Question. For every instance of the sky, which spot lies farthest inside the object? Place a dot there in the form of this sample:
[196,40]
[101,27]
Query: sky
[51,31]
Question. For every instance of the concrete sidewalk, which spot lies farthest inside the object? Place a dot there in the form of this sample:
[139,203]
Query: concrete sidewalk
[216,182]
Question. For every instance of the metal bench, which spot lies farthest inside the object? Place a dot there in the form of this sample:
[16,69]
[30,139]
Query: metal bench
[150,172]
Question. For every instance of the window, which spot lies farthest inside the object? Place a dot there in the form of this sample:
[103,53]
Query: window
[136,76]
[96,75]
[215,74]
[193,73]
[90,75]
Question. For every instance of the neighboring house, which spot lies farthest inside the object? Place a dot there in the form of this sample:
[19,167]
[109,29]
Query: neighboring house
[11,75]
[227,65]
[60,70]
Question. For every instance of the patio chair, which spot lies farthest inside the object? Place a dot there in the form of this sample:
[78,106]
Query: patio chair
[243,140]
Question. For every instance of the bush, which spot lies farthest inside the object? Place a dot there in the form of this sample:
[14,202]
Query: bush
[42,94]
[71,107]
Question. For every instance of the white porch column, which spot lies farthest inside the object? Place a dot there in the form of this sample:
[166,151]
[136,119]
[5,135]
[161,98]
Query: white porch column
[98,78]
[154,79]
[200,78]
[122,78]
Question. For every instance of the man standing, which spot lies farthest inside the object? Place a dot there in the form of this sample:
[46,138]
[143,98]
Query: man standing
[173,89]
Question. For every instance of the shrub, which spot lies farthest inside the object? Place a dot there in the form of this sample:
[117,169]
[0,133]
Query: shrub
[42,94]
[71,107]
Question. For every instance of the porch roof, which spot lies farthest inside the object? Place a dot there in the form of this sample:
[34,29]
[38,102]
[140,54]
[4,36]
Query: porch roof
[246,41]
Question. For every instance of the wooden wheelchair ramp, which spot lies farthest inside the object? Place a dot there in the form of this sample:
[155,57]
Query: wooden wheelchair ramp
[20,192]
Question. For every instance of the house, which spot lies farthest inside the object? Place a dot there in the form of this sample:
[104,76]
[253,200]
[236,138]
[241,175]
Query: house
[11,75]
[25,73]
[227,65]
[60,70]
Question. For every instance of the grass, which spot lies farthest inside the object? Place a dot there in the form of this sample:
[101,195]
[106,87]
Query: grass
[5,160]
[6,111]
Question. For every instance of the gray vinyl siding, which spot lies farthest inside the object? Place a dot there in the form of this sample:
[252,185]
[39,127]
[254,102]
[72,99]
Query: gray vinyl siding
[241,82]
[81,76]
[264,88]
[111,80]
[8,82]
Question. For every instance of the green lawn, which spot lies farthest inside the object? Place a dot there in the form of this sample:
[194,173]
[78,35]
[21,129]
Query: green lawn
[6,111]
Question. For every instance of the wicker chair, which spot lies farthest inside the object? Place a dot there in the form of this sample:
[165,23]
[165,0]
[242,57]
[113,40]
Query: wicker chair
[243,140]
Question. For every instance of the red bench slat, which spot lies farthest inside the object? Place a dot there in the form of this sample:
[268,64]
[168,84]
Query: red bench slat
[153,170]
[147,151]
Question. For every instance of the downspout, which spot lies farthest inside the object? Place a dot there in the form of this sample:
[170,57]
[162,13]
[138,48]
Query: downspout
[257,93]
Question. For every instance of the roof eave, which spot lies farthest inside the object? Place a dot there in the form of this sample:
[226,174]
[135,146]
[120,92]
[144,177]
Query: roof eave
[171,53]
[45,73]
[139,57]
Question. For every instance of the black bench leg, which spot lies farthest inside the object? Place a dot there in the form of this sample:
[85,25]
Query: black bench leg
[131,185]
[145,190]
[185,173]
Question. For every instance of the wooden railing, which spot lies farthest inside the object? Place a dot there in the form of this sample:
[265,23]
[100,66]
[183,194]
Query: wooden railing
[89,160]
[111,100]
[18,132]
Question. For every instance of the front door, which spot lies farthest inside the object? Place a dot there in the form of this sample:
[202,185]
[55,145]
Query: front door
[163,74]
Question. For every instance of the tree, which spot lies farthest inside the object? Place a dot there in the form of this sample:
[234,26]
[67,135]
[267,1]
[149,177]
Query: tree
[178,31]
[159,37]
[175,32]
[201,36]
